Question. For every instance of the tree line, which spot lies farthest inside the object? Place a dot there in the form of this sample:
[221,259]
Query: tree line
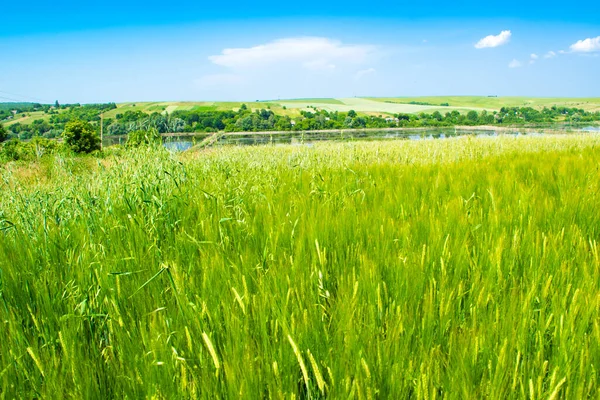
[246,120]
[54,125]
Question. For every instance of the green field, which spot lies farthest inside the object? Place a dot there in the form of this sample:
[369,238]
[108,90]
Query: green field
[459,268]
[496,103]
[388,105]
[28,118]
[375,106]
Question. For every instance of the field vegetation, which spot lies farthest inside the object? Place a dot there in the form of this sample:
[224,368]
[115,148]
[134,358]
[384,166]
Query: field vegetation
[207,118]
[28,120]
[496,103]
[460,268]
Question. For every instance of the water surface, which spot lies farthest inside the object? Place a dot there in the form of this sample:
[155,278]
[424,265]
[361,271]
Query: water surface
[185,142]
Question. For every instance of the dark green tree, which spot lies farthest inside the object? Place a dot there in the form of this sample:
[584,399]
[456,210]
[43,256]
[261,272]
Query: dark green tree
[3,133]
[472,116]
[81,137]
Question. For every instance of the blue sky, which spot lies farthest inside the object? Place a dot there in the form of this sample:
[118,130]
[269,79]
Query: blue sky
[152,51]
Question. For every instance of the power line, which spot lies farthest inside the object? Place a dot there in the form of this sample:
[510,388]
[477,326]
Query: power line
[8,98]
[23,96]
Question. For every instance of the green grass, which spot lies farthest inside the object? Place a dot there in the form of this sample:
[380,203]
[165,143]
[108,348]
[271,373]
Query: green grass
[311,101]
[462,268]
[27,118]
[495,103]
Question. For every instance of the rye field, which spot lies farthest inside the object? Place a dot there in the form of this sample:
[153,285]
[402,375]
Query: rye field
[460,268]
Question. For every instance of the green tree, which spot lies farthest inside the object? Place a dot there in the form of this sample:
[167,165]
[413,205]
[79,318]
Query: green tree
[81,137]
[3,133]
[352,113]
[472,116]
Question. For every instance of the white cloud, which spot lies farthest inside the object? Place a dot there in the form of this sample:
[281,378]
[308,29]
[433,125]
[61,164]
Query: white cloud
[314,53]
[532,58]
[588,45]
[550,54]
[218,80]
[494,41]
[514,64]
[319,65]
[364,72]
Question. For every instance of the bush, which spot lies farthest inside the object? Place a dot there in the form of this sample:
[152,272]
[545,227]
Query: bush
[3,133]
[38,147]
[81,137]
[10,150]
[143,138]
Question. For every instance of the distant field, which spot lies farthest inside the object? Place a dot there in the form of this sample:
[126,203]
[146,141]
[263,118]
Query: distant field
[27,118]
[292,107]
[376,105]
[310,101]
[495,103]
[371,106]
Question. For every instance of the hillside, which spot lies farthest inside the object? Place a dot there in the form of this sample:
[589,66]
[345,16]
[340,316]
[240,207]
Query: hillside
[369,106]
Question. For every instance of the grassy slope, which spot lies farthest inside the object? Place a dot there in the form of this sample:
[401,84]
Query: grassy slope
[495,103]
[28,119]
[466,267]
[375,106]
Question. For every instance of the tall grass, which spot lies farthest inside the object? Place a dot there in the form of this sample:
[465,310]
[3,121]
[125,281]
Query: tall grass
[464,268]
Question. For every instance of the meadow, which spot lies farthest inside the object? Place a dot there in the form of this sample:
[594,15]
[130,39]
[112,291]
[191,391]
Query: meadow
[392,105]
[496,103]
[458,268]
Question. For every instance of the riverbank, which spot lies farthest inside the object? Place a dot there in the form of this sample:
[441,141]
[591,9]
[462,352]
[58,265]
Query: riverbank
[513,128]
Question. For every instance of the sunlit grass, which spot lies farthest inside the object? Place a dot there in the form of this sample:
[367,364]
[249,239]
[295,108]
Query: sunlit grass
[461,268]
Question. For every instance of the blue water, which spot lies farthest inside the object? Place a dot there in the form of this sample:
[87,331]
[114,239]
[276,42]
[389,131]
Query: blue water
[178,145]
[308,139]
[591,129]
[182,143]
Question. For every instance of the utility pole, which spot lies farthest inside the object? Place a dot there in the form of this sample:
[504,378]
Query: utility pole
[101,130]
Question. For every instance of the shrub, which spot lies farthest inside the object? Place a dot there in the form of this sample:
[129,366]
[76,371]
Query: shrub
[9,151]
[3,133]
[81,137]
[38,147]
